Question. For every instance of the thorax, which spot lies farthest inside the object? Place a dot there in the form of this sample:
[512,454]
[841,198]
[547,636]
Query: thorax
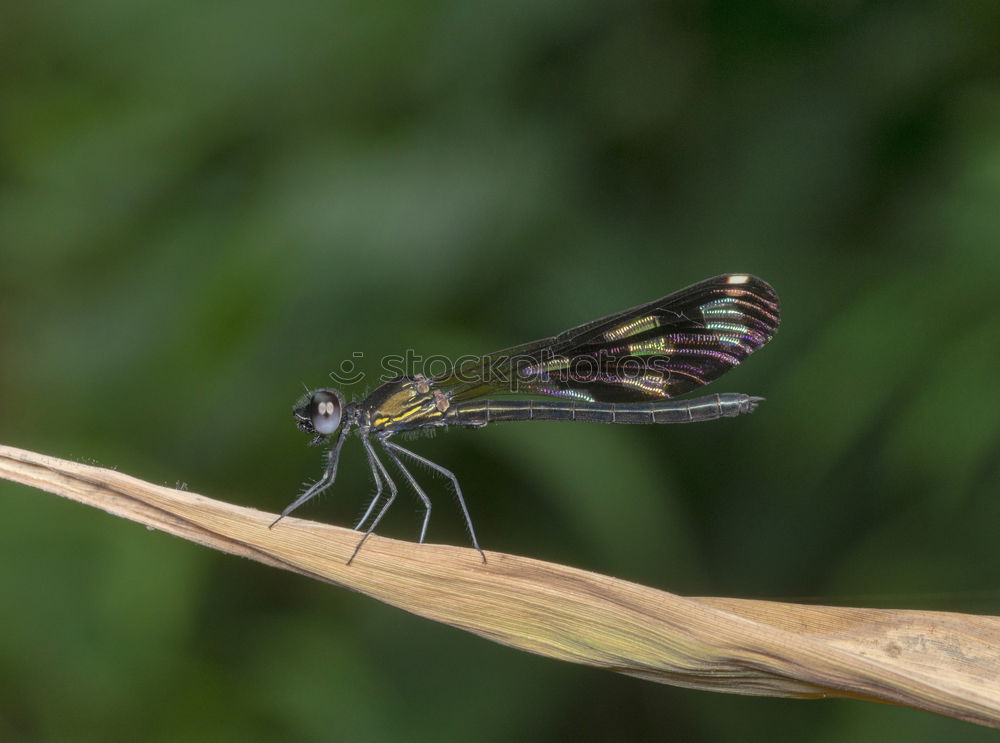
[405,404]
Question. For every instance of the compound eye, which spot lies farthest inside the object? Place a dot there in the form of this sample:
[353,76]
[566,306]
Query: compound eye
[324,412]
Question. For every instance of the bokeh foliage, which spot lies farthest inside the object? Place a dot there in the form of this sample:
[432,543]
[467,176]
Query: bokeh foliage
[203,206]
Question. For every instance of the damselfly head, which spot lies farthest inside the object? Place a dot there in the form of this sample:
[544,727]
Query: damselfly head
[319,412]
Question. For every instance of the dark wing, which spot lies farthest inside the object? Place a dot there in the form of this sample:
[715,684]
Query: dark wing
[651,352]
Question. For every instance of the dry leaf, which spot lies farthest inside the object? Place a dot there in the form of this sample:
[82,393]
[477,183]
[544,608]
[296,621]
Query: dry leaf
[943,662]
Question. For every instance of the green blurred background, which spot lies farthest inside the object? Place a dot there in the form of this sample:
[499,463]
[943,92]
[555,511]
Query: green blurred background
[204,205]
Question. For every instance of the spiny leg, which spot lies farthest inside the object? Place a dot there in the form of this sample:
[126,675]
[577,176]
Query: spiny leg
[417,489]
[454,481]
[392,496]
[374,464]
[329,475]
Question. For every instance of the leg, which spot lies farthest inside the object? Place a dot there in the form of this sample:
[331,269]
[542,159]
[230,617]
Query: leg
[385,507]
[329,475]
[419,491]
[454,481]
[374,464]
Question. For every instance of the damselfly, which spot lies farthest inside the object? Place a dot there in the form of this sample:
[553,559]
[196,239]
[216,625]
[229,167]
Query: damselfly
[623,368]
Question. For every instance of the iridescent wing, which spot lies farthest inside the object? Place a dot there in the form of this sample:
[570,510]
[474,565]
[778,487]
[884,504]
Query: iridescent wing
[655,351]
